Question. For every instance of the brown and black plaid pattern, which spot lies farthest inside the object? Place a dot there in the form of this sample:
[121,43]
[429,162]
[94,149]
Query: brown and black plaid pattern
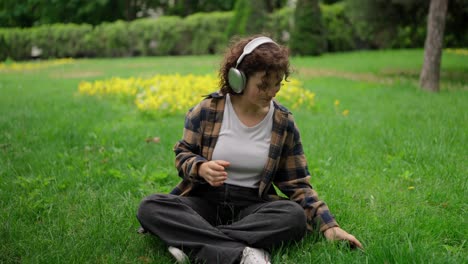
[286,166]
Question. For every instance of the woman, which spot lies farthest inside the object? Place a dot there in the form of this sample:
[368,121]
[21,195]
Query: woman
[237,144]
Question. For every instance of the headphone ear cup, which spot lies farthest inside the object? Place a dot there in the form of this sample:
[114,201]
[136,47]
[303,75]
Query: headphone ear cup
[236,80]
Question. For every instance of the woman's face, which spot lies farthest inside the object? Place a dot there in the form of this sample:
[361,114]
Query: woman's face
[258,95]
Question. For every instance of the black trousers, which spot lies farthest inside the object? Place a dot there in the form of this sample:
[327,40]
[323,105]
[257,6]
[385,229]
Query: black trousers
[215,224]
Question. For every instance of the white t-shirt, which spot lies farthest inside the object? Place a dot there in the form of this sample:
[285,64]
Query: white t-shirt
[246,148]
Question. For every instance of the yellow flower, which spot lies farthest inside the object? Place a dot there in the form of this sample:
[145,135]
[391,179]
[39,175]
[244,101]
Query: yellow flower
[170,94]
[337,102]
[457,51]
[345,112]
[26,66]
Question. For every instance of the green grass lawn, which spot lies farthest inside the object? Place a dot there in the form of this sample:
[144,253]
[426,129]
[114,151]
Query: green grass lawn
[74,168]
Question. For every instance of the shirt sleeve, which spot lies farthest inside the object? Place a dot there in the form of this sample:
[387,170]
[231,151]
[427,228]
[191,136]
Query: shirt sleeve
[293,179]
[188,149]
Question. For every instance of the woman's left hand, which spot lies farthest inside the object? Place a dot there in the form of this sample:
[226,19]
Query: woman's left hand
[336,233]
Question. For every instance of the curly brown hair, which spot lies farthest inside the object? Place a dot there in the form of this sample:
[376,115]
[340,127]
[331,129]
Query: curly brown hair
[269,57]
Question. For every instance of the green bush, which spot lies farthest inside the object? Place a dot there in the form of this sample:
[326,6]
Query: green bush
[205,32]
[340,34]
[53,41]
[160,36]
[17,44]
[409,37]
[39,37]
[61,40]
[280,24]
[112,39]
[249,18]
[308,34]
[3,45]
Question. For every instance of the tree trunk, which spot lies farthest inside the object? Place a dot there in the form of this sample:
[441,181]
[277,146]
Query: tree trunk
[430,73]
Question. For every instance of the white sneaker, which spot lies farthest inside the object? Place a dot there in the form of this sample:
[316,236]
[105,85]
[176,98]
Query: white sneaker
[178,254]
[255,256]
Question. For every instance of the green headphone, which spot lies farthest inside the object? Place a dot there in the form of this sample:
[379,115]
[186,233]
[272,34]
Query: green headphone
[237,79]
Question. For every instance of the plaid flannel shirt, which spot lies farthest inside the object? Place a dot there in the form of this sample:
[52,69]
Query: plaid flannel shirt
[286,166]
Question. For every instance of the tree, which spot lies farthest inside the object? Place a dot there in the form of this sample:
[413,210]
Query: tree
[14,13]
[430,73]
[38,12]
[308,34]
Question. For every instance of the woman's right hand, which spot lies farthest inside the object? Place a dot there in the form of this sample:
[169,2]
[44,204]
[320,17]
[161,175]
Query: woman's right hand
[214,172]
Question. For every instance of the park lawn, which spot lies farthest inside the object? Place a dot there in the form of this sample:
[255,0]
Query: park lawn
[389,159]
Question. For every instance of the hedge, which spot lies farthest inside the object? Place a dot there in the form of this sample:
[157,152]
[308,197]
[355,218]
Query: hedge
[205,32]
[201,33]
